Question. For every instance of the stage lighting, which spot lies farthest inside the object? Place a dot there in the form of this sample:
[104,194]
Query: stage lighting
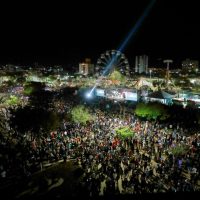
[89,95]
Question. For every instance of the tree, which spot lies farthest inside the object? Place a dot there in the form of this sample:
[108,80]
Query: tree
[33,119]
[50,122]
[80,114]
[125,132]
[179,150]
[13,100]
[117,76]
[187,117]
[152,111]
[42,99]
[32,87]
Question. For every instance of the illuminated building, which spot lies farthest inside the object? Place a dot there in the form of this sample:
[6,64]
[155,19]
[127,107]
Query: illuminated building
[190,65]
[86,67]
[141,64]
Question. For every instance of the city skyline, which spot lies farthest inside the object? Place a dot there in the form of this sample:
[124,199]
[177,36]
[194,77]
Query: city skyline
[65,35]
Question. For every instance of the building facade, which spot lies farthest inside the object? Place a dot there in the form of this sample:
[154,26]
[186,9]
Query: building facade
[141,64]
[190,65]
[86,67]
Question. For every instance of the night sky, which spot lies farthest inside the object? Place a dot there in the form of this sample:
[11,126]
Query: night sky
[66,34]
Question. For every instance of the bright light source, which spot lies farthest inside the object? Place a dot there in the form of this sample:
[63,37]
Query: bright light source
[89,95]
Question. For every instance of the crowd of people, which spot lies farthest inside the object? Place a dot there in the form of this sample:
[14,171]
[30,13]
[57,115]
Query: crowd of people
[143,163]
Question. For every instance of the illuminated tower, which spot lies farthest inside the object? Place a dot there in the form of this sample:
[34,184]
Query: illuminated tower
[141,64]
[168,61]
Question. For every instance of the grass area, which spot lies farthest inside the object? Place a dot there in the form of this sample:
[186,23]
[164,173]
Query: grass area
[125,132]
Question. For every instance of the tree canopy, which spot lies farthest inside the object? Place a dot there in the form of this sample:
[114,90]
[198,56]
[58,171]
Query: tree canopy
[12,100]
[34,119]
[179,150]
[32,87]
[125,132]
[80,114]
[117,76]
[152,111]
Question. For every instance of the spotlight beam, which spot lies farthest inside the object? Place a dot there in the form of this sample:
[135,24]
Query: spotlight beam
[132,32]
[138,24]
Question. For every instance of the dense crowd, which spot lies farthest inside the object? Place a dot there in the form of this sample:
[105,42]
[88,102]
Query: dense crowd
[143,163]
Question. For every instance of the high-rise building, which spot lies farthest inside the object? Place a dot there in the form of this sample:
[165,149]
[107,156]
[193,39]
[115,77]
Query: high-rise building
[190,65]
[86,67]
[141,64]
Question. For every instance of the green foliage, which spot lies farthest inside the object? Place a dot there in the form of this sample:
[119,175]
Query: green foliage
[152,111]
[34,119]
[13,100]
[116,75]
[32,87]
[80,114]
[50,78]
[51,121]
[179,150]
[196,88]
[42,99]
[124,132]
[28,90]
